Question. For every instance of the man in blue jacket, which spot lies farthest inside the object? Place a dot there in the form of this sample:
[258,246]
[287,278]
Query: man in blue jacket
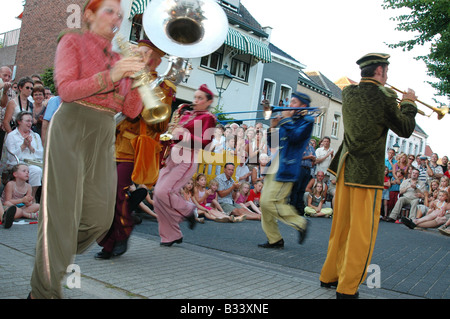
[289,133]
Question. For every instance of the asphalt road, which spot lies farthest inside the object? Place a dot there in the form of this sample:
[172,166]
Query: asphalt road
[413,262]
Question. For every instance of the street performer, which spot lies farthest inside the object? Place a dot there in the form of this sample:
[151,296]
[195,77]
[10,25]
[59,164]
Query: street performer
[369,111]
[115,243]
[79,179]
[194,129]
[292,131]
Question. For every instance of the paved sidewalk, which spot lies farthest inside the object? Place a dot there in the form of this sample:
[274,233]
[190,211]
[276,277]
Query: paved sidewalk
[149,271]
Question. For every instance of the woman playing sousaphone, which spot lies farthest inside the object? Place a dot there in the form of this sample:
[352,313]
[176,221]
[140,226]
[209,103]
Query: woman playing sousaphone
[180,166]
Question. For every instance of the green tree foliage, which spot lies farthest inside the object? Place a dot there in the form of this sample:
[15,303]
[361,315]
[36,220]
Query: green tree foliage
[221,117]
[47,78]
[431,20]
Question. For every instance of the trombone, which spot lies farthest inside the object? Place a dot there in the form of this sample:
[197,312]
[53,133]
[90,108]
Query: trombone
[269,109]
[439,111]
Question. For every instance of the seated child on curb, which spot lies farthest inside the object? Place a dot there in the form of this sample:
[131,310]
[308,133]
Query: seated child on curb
[212,199]
[430,205]
[200,199]
[240,197]
[188,194]
[17,193]
[315,202]
[434,218]
[255,195]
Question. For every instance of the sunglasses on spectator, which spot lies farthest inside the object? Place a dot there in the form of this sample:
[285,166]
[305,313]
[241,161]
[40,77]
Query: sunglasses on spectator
[28,87]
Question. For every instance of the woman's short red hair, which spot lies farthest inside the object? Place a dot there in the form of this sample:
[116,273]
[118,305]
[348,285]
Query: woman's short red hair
[93,5]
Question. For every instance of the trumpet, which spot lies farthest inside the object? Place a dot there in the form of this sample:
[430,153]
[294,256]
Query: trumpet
[441,111]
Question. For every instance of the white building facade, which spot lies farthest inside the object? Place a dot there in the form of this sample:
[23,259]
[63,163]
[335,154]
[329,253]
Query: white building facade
[414,145]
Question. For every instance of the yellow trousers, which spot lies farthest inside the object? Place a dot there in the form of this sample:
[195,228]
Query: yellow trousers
[353,234]
[274,207]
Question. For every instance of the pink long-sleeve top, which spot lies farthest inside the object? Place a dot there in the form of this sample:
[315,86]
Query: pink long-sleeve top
[82,73]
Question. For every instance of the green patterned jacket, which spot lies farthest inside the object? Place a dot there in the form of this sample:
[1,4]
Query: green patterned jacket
[369,111]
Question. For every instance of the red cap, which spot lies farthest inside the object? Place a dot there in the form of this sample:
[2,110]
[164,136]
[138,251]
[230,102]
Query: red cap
[205,89]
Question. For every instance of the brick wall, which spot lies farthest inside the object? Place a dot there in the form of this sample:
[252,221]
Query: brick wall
[43,21]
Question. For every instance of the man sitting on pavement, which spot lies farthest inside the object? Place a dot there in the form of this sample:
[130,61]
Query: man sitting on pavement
[411,191]
[227,187]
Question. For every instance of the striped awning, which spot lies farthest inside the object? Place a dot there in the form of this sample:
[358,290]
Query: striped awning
[236,40]
[258,49]
[138,7]
[248,45]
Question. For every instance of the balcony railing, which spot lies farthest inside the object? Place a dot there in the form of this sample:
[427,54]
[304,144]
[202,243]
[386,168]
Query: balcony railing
[9,38]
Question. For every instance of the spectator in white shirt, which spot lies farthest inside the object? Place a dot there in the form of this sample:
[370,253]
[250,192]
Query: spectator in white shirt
[24,144]
[324,155]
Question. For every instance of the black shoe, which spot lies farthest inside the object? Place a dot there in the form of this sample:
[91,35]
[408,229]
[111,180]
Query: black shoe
[103,255]
[389,220]
[302,234]
[136,197]
[191,220]
[136,218]
[169,244]
[120,248]
[344,296]
[328,284]
[408,222]
[8,216]
[278,245]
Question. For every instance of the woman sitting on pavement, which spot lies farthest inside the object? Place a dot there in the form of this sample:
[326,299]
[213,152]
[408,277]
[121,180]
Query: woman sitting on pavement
[25,145]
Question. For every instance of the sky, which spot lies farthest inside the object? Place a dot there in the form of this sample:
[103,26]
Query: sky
[329,36]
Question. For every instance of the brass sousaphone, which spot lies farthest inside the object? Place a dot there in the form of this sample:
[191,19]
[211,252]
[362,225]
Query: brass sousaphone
[183,29]
[186,28]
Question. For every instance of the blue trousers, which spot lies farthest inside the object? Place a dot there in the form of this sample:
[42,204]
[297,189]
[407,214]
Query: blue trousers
[298,190]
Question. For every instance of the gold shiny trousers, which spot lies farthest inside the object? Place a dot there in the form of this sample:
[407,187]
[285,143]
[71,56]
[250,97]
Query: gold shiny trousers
[353,234]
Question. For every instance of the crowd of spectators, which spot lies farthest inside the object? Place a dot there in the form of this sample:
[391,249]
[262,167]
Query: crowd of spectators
[414,185]
[417,189]
[250,146]
[24,105]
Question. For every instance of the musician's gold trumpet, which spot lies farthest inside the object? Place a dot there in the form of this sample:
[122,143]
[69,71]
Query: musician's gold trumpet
[440,111]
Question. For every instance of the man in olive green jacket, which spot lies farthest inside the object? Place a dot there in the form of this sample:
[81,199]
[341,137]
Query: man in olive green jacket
[369,111]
